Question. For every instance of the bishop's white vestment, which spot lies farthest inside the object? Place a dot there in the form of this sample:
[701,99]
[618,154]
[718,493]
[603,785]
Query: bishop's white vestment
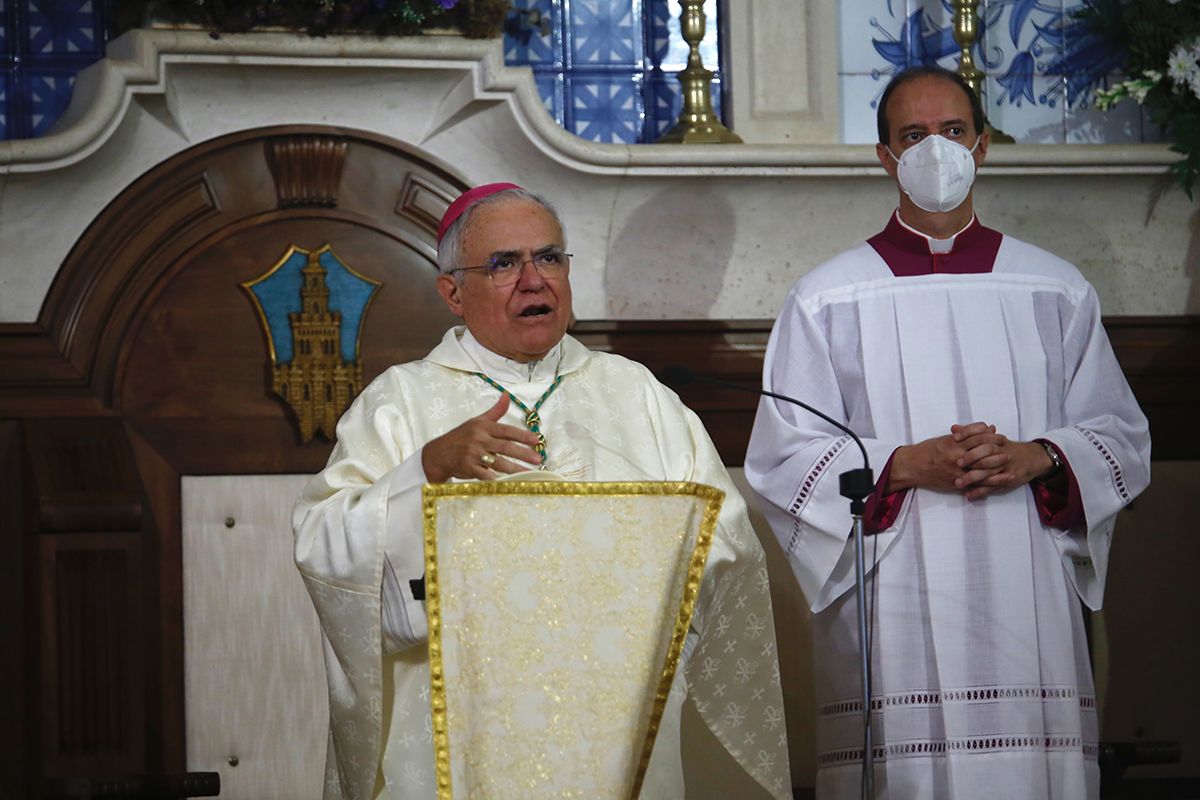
[359,544]
[982,685]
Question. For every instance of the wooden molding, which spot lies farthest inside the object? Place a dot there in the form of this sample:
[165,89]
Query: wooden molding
[307,169]
[92,654]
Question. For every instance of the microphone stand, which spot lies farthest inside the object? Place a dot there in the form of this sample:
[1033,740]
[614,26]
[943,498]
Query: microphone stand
[856,485]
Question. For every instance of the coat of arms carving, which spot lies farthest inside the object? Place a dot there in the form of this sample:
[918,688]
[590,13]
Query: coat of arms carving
[312,306]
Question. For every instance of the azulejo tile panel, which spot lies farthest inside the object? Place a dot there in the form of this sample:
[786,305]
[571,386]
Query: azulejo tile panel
[533,34]
[606,108]
[605,33]
[63,27]
[43,43]
[550,88]
[605,68]
[5,95]
[1043,65]
[47,93]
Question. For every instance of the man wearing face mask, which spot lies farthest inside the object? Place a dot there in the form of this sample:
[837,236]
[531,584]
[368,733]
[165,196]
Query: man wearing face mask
[1005,440]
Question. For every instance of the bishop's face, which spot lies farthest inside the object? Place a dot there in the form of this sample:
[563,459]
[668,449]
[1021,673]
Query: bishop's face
[524,320]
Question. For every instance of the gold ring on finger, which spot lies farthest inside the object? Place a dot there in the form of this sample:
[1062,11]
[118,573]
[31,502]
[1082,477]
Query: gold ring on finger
[487,459]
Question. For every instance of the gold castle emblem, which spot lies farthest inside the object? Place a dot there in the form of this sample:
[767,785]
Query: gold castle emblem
[312,306]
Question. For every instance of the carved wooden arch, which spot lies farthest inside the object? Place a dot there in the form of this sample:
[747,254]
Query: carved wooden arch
[148,362]
[144,236]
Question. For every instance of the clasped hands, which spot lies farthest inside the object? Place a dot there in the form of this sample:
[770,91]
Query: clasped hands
[480,447]
[973,460]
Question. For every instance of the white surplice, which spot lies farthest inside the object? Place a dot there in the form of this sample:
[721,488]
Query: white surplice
[982,683]
[359,543]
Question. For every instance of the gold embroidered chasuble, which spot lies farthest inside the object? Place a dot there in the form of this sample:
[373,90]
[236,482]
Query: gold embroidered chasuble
[555,586]
[609,420]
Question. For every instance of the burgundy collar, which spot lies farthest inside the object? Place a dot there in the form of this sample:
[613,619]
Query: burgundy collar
[907,253]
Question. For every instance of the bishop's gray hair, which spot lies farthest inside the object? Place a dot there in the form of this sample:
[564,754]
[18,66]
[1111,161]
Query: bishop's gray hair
[450,250]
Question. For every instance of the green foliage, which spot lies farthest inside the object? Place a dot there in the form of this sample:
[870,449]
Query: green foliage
[1160,40]
[474,18]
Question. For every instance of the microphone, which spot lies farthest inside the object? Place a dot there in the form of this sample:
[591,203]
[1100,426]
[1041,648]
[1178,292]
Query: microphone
[855,484]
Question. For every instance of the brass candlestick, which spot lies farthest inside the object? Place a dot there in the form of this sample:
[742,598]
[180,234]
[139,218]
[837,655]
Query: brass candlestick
[697,123]
[966,31]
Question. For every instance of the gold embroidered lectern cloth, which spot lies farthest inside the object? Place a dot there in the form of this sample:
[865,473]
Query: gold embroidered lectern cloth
[557,614]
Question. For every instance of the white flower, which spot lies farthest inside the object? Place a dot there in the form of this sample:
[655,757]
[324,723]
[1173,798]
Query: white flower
[1139,92]
[1182,62]
[1107,98]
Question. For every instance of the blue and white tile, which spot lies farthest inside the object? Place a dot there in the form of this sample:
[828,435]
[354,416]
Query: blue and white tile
[606,108]
[1084,58]
[551,89]
[882,37]
[663,47]
[663,103]
[533,32]
[64,27]
[5,95]
[860,97]
[605,33]
[860,23]
[47,93]
[1041,121]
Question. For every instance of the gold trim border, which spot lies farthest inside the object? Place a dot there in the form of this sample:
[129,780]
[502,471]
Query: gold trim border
[431,493]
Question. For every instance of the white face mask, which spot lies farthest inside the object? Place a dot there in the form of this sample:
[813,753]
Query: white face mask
[936,173]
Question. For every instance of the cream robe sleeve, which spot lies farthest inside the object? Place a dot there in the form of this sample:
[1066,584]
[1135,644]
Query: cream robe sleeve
[366,505]
[732,669]
[342,523]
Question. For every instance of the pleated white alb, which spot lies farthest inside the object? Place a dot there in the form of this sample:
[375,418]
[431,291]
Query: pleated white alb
[982,682]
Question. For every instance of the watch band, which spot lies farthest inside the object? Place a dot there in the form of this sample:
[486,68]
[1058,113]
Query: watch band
[1056,465]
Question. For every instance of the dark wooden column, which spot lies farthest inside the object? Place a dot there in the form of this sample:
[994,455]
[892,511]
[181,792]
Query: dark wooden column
[92,541]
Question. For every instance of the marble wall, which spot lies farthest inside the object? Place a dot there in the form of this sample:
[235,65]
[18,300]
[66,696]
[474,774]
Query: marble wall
[659,231]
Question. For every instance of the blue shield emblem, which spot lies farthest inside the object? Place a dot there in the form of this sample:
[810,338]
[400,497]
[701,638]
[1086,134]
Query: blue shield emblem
[312,305]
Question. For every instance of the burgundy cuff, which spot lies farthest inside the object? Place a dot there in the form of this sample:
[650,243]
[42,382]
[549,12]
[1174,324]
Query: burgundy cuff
[882,509]
[1058,501]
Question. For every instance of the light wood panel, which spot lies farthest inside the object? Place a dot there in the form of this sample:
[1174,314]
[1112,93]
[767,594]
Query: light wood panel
[254,680]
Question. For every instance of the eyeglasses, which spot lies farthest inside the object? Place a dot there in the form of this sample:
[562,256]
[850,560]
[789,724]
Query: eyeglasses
[506,270]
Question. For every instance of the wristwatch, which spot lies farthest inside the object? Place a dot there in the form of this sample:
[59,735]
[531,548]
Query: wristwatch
[1056,465]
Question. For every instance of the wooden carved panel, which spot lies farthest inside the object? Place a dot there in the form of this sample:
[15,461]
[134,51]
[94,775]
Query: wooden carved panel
[92,668]
[89,537]
[18,730]
[85,476]
[147,334]
[307,169]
